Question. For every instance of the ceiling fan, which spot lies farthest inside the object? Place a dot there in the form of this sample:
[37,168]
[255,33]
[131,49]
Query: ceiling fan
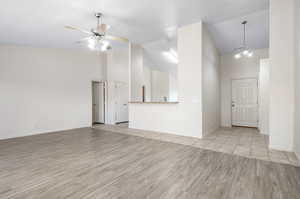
[98,38]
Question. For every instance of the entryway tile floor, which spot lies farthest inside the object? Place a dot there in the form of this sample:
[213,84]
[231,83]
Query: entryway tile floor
[246,142]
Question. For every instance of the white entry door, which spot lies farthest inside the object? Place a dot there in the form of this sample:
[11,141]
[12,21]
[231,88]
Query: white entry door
[122,96]
[98,102]
[245,102]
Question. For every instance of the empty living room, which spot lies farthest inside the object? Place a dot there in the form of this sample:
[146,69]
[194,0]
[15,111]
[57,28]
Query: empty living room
[140,99]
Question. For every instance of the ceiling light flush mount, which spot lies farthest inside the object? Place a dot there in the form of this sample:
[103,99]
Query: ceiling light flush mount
[243,50]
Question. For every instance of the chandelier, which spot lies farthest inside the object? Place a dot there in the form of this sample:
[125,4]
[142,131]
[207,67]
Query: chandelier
[243,50]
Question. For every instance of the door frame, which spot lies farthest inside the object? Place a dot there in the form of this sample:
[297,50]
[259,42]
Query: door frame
[231,115]
[104,100]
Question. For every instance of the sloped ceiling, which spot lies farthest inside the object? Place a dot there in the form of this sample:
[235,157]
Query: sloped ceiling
[41,23]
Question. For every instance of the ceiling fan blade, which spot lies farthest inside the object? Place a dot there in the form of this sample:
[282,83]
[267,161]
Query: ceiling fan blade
[81,30]
[84,39]
[115,38]
[103,28]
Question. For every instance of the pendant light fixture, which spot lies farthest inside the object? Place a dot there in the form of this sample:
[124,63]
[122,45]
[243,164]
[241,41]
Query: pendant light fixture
[243,51]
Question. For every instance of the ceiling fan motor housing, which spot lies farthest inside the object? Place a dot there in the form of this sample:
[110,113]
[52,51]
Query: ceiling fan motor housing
[98,15]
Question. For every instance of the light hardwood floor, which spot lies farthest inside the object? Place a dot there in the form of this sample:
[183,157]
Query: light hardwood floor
[91,163]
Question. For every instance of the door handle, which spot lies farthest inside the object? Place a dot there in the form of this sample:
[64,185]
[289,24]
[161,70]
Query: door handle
[232,104]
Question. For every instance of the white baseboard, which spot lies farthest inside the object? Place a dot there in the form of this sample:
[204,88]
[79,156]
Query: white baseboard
[264,133]
[41,132]
[280,148]
[226,126]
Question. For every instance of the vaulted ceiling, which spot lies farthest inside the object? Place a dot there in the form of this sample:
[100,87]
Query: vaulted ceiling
[228,34]
[41,23]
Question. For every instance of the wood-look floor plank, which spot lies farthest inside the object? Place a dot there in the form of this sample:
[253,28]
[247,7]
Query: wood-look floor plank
[88,163]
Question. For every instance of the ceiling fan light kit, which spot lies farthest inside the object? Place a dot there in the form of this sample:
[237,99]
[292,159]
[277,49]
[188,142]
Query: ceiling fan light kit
[171,55]
[98,38]
[243,51]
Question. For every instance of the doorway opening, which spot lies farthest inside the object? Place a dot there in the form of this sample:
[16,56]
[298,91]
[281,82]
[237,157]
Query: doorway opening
[110,103]
[244,107]
[98,102]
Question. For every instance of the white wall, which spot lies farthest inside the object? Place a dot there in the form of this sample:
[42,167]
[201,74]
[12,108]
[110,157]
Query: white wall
[44,90]
[264,96]
[173,87]
[136,72]
[232,68]
[210,84]
[147,82]
[118,65]
[282,74]
[184,118]
[160,86]
[297,75]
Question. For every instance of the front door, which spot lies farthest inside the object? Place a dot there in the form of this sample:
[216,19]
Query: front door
[245,102]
